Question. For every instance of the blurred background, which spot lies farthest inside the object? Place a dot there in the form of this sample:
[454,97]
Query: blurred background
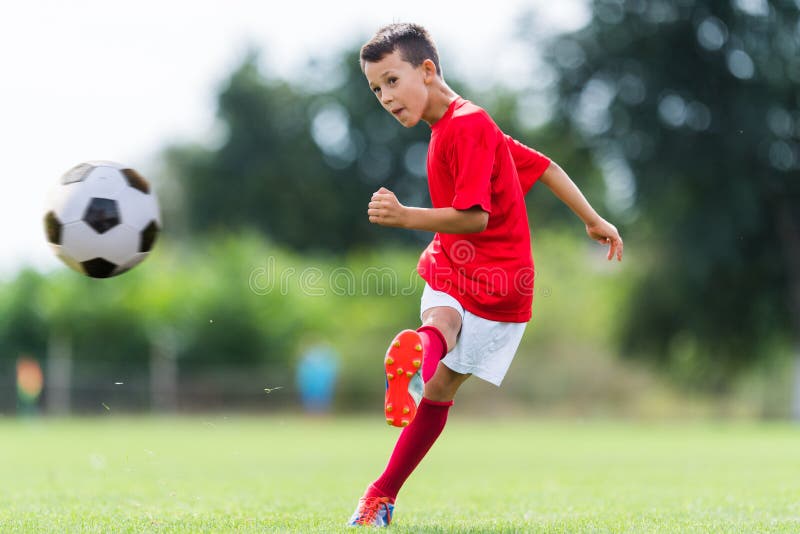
[269,290]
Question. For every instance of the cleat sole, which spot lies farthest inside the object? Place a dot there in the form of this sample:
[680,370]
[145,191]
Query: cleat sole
[403,355]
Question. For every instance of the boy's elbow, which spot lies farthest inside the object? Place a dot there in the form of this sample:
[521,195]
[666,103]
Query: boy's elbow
[481,221]
[471,221]
[484,222]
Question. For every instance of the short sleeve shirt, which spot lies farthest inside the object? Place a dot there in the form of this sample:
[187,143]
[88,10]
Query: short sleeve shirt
[471,162]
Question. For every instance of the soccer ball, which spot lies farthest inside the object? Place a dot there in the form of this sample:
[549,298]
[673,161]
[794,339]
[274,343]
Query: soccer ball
[102,218]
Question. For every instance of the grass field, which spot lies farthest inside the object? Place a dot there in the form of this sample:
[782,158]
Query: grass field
[290,474]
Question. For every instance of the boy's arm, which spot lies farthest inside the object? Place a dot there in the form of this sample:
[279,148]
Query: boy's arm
[598,228]
[386,210]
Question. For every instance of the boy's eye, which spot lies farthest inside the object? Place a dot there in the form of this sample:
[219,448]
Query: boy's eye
[392,80]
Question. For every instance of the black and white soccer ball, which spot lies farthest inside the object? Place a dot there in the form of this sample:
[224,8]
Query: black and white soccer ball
[102,218]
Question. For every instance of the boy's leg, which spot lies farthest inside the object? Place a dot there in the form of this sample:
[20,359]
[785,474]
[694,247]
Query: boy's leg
[444,384]
[437,336]
[417,438]
[439,333]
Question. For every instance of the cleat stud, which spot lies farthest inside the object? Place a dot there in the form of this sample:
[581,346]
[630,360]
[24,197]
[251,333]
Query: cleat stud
[399,370]
[404,422]
[389,360]
[390,420]
[417,363]
[418,348]
[389,376]
[389,407]
[409,373]
[405,410]
[396,344]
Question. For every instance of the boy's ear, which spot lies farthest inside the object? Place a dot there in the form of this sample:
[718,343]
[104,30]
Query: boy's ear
[429,70]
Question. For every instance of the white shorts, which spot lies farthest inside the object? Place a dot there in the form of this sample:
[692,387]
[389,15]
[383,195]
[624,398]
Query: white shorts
[484,348]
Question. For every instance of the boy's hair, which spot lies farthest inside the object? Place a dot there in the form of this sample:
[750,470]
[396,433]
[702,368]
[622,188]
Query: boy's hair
[412,40]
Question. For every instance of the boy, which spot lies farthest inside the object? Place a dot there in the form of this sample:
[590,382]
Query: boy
[478,268]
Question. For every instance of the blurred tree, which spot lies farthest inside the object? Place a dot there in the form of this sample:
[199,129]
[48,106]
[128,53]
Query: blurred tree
[299,166]
[190,307]
[62,300]
[299,160]
[23,330]
[691,110]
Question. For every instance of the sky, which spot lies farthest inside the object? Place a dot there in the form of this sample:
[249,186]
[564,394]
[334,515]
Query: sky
[98,80]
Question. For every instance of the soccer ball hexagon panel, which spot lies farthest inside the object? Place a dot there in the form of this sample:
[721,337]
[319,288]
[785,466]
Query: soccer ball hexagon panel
[102,218]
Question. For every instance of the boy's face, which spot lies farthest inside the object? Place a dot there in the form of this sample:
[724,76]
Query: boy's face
[401,88]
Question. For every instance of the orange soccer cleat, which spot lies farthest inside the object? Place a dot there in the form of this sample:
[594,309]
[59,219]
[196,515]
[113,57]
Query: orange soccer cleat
[403,381]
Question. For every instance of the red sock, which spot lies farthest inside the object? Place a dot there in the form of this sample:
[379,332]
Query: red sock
[413,444]
[434,347]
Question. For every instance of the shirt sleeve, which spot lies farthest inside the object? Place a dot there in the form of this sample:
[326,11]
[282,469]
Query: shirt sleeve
[530,164]
[472,164]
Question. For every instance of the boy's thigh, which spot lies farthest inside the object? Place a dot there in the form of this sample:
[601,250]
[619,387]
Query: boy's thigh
[485,348]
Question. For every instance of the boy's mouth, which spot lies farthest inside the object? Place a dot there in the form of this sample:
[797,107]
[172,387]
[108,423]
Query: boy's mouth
[397,111]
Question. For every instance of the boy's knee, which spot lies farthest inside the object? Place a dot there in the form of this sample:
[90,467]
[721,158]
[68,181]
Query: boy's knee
[447,321]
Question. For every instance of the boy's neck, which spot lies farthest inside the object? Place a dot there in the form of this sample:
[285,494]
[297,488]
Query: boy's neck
[439,99]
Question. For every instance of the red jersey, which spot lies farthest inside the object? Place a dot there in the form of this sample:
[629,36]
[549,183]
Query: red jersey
[471,162]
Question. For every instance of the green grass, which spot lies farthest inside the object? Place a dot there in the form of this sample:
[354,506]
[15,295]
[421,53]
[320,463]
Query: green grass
[290,474]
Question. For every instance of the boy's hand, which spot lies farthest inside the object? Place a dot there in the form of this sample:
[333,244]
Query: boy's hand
[606,233]
[386,210]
